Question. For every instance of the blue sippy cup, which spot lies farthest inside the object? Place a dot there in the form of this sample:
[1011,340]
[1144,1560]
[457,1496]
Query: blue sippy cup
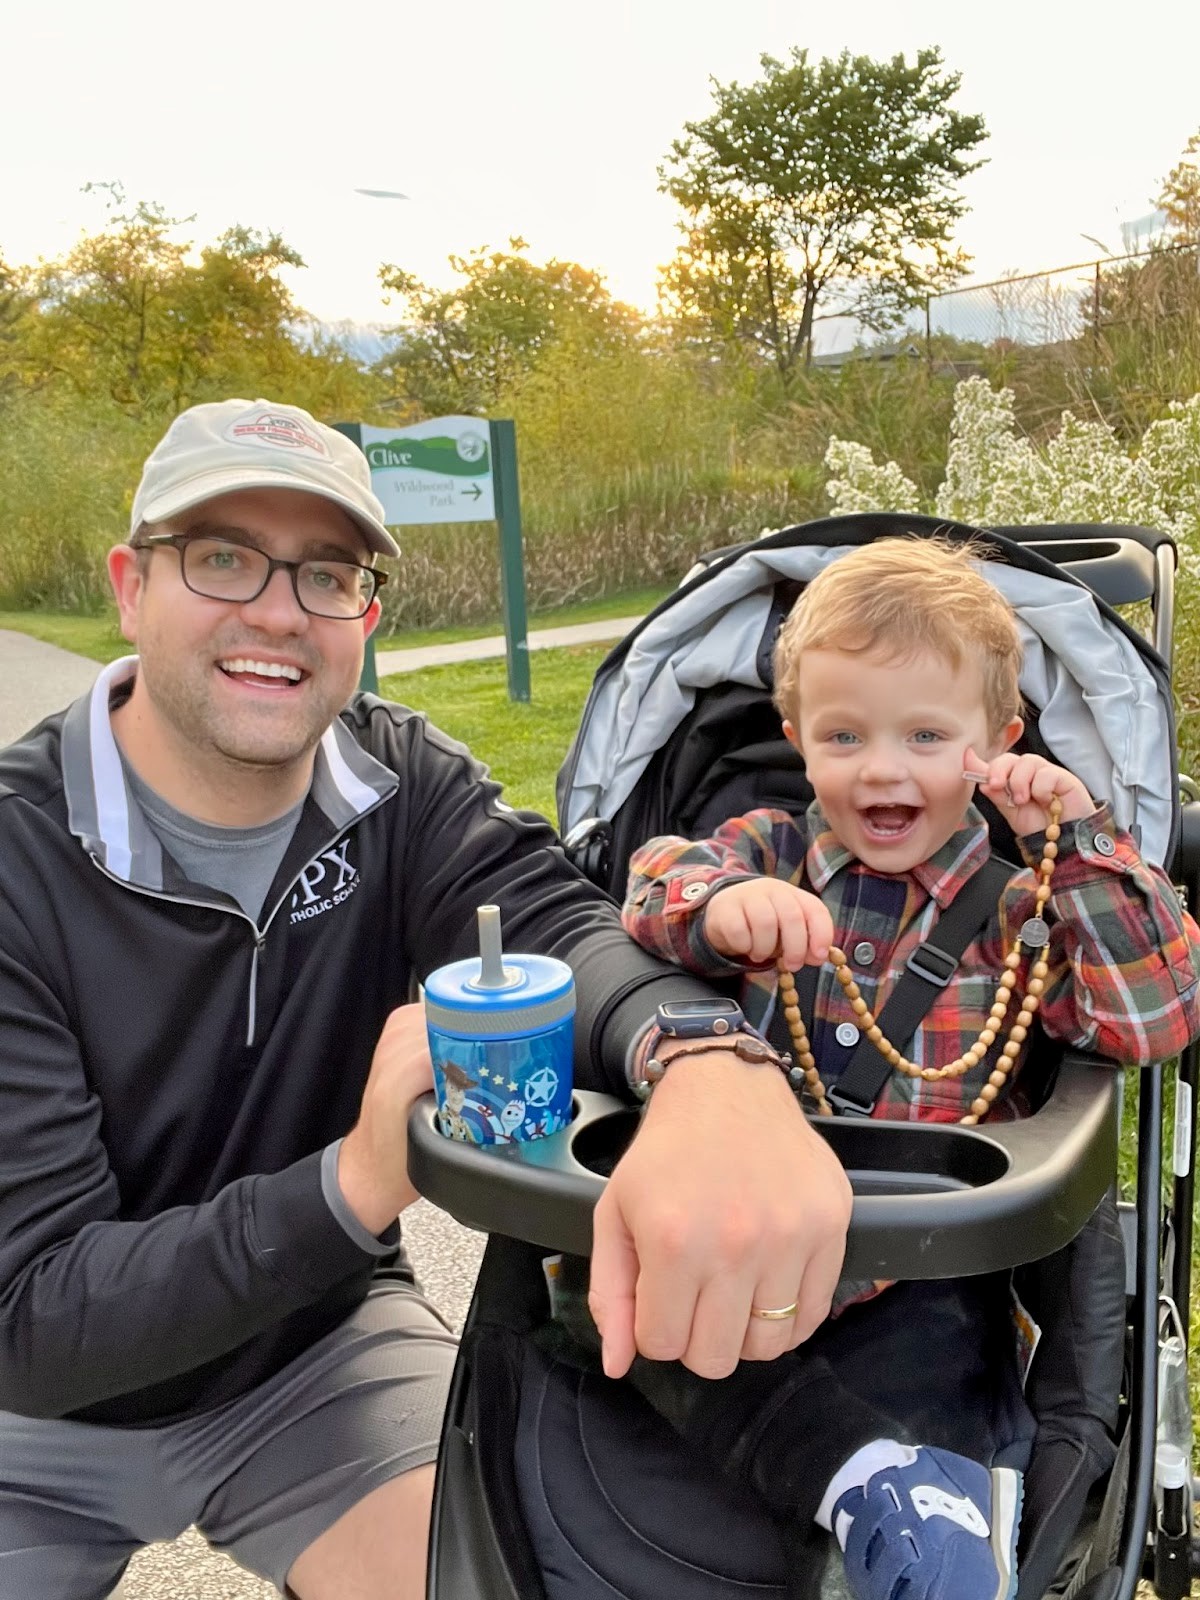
[501,1034]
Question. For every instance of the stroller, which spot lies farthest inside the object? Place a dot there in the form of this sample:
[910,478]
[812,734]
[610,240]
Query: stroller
[679,734]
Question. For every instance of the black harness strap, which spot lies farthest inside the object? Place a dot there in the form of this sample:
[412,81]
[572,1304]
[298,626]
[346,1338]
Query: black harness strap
[929,969]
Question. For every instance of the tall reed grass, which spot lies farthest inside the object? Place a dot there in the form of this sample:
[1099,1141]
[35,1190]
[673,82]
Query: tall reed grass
[590,541]
[67,476]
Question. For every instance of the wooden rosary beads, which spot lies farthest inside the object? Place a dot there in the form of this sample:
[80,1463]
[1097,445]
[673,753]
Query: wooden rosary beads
[1034,934]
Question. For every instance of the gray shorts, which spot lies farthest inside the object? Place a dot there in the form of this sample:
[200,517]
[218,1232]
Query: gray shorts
[262,1476]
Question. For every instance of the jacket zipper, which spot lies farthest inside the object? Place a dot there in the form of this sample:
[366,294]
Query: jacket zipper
[260,934]
[252,1020]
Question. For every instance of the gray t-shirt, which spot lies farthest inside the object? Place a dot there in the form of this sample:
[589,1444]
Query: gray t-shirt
[240,862]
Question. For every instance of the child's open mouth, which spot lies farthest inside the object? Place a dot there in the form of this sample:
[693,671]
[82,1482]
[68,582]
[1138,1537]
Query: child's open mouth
[888,822]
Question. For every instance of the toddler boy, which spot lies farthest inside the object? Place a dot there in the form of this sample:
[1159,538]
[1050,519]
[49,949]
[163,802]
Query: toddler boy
[896,675]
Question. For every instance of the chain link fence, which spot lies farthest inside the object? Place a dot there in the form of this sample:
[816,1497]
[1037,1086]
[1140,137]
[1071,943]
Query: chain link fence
[1072,309]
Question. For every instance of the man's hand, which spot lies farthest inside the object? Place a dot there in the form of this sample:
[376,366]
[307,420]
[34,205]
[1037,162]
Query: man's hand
[726,1199]
[1021,788]
[763,918]
[373,1160]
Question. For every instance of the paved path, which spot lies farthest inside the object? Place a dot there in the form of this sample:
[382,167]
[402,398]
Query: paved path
[35,680]
[441,655]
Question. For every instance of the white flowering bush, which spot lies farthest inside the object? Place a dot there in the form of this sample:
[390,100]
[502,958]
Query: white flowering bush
[994,475]
[1170,453]
[859,484]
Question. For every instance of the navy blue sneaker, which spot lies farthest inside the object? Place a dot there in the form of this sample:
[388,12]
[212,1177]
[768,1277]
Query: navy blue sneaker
[940,1528]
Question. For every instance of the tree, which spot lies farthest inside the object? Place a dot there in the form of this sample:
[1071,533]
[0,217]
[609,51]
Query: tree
[460,347]
[14,311]
[1180,195]
[834,180]
[103,319]
[130,314]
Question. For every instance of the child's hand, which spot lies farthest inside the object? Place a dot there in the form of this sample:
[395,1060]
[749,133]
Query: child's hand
[1021,788]
[761,919]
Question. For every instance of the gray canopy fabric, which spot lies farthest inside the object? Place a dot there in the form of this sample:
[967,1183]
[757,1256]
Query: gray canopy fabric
[1101,709]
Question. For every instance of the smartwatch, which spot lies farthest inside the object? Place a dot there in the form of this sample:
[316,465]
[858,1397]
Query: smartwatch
[697,1019]
[695,1028]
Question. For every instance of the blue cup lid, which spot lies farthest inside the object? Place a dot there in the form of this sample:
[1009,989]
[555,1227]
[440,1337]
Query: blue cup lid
[535,981]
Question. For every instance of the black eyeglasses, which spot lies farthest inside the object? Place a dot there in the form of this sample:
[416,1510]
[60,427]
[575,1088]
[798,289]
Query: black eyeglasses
[219,569]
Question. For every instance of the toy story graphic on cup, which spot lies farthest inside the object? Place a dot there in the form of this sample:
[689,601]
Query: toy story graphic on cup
[501,1034]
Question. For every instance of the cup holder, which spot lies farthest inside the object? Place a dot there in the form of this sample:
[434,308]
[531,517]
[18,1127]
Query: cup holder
[880,1158]
[599,1145]
[903,1158]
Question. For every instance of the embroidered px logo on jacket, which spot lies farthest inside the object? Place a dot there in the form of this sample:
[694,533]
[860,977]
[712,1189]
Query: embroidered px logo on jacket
[325,882]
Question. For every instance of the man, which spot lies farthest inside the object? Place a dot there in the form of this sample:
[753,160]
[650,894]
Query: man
[221,874]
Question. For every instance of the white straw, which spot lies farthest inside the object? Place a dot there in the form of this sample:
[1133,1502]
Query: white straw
[491,954]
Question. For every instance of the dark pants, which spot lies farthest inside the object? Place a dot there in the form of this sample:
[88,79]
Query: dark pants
[928,1363]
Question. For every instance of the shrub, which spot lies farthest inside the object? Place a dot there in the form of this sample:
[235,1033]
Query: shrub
[1083,473]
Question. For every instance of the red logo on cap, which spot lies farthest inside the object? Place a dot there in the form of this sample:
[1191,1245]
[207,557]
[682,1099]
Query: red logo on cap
[272,427]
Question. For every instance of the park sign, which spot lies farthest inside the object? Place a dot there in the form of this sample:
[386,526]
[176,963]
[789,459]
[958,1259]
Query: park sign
[454,469]
[436,471]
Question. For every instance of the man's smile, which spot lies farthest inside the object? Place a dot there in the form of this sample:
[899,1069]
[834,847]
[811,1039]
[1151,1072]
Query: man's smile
[257,672]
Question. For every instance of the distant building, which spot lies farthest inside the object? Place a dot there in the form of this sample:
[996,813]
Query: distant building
[905,349]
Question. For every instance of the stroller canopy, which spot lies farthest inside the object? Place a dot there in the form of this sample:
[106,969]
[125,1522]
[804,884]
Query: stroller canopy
[1101,694]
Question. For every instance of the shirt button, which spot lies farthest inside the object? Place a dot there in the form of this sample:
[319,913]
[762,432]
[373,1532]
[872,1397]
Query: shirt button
[693,891]
[846,1034]
[863,953]
[1104,845]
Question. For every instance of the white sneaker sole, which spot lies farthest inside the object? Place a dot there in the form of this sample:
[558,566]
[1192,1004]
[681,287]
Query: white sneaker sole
[1007,1493]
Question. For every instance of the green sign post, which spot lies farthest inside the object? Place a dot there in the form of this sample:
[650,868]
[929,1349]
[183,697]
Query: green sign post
[512,556]
[454,469]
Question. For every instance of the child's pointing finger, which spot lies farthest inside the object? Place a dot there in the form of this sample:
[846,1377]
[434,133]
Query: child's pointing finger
[975,769]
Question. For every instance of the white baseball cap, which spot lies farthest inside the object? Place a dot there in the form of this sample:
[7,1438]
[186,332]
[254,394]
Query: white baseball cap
[255,444]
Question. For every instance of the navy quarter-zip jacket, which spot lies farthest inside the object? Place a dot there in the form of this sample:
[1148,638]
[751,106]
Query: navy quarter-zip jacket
[171,1071]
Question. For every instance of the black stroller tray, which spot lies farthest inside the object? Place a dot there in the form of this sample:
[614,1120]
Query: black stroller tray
[930,1201]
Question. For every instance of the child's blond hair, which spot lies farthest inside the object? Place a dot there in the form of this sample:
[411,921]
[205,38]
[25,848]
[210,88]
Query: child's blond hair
[899,596]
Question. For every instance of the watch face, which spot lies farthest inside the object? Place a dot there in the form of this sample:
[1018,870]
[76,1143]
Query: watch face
[696,1019]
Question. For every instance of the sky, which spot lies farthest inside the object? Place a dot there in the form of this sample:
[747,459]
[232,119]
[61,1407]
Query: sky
[546,119]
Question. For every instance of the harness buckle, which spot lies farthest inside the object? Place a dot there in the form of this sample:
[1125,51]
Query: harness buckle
[848,1108]
[932,964]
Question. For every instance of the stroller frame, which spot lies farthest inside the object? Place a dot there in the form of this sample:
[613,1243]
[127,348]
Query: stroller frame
[1040,1178]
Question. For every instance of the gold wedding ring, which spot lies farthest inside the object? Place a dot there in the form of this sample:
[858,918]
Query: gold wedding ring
[777,1314]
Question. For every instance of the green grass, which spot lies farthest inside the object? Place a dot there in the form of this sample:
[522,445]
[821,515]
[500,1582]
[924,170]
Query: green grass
[524,745]
[97,637]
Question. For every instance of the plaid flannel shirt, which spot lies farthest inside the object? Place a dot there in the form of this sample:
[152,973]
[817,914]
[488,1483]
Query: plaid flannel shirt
[1124,956]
